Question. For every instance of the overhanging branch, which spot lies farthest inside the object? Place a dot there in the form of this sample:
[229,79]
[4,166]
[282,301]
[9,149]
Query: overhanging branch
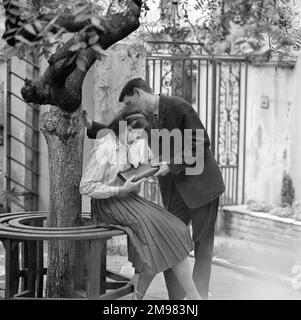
[61,84]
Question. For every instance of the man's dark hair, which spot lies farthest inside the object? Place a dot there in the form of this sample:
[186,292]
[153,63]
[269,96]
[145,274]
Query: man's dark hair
[128,89]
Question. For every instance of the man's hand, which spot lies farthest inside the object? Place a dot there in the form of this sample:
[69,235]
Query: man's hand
[87,122]
[163,170]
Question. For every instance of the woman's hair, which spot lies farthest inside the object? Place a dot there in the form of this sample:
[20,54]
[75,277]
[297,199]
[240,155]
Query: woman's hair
[133,116]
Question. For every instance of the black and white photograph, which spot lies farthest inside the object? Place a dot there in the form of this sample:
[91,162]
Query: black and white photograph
[150,150]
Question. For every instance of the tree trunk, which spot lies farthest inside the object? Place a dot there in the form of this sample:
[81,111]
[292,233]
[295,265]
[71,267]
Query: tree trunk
[64,133]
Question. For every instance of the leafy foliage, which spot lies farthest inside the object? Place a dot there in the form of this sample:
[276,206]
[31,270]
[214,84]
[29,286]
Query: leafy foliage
[254,27]
[40,25]
[249,26]
[287,190]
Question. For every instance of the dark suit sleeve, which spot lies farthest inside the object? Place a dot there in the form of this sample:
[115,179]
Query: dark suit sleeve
[96,126]
[187,118]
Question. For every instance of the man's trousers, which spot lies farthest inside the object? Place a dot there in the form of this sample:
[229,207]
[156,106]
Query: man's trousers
[203,226]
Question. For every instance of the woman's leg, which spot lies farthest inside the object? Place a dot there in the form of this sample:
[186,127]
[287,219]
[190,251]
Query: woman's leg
[142,284]
[184,275]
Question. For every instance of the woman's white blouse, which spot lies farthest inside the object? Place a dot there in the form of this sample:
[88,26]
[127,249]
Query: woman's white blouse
[109,157]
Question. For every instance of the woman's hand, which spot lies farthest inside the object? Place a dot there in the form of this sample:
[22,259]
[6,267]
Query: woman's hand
[86,120]
[130,186]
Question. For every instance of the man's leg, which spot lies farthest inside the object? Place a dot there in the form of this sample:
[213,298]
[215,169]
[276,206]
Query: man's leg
[178,208]
[203,226]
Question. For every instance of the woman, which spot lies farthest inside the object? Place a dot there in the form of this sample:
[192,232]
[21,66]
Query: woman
[157,240]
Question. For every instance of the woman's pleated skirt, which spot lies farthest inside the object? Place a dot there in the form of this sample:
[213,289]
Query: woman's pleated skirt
[157,240]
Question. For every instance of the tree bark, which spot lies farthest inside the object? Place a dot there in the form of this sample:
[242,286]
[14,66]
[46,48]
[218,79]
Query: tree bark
[64,133]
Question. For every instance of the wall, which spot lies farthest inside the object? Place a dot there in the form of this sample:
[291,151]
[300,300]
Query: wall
[18,108]
[2,99]
[2,107]
[263,228]
[271,131]
[294,161]
[18,130]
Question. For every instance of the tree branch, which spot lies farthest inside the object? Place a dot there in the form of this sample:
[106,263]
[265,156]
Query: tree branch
[61,84]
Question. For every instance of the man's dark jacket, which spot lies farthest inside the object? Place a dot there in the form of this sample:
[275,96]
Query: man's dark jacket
[196,190]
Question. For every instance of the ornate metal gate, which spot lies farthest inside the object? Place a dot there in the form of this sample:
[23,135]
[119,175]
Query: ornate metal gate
[216,87]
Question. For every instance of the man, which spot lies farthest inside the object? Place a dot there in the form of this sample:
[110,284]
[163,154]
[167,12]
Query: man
[192,198]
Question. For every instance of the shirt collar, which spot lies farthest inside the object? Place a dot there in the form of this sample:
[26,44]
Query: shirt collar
[112,139]
[116,141]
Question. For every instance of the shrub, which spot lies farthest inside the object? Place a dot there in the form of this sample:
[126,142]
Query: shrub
[287,191]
